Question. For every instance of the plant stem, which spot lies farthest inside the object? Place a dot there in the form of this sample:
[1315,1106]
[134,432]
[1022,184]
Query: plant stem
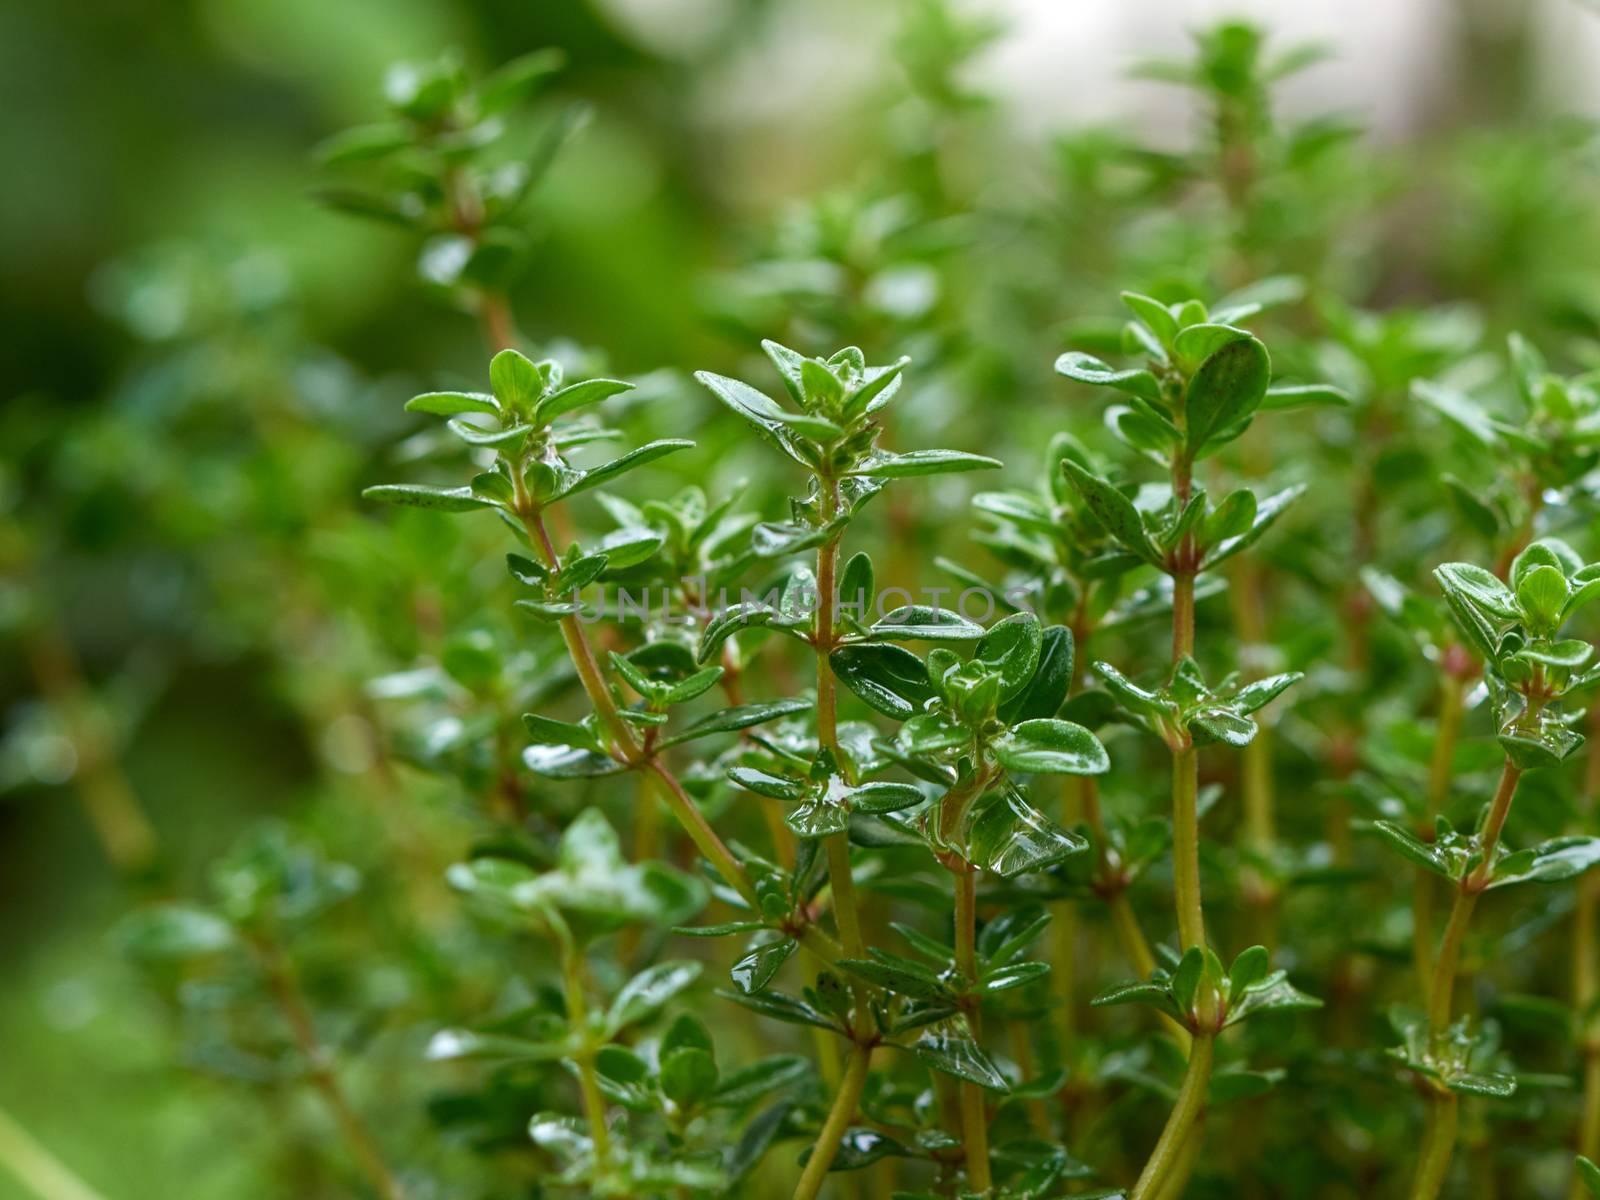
[1452,693]
[1438,1143]
[120,823]
[845,910]
[1182,616]
[1442,987]
[36,1168]
[1183,1168]
[291,1002]
[1134,946]
[594,1105]
[1441,990]
[1170,1149]
[1186,847]
[583,660]
[974,1117]
[839,1118]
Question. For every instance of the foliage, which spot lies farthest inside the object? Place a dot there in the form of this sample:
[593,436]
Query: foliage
[873,764]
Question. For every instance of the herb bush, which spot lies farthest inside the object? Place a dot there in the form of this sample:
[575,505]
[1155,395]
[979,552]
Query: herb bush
[1191,799]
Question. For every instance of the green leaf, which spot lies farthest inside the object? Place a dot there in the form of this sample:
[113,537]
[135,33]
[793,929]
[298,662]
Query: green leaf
[888,679]
[1187,977]
[694,685]
[1414,849]
[880,386]
[1113,510]
[688,1076]
[1249,969]
[568,762]
[819,816]
[173,932]
[1542,595]
[1197,343]
[647,992]
[774,787]
[1012,647]
[450,404]
[754,971]
[356,202]
[1494,1085]
[730,621]
[590,391]
[759,409]
[362,143]
[1226,389]
[456,1045]
[1047,691]
[714,931]
[1589,1174]
[741,716]
[1010,837]
[1048,746]
[1154,314]
[1273,993]
[417,495]
[949,1047]
[1476,586]
[1267,513]
[1233,517]
[514,81]
[516,381]
[924,623]
[760,1078]
[1085,368]
[560,733]
[902,976]
[856,591]
[924,462]
[1548,743]
[649,452]
[1221,724]
[1257,695]
[1553,861]
[1154,993]
[883,796]
[780,1007]
[1284,396]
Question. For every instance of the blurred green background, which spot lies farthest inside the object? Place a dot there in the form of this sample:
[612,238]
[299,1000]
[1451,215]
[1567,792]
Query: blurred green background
[157,209]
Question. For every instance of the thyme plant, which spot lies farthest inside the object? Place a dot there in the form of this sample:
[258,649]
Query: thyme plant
[1135,802]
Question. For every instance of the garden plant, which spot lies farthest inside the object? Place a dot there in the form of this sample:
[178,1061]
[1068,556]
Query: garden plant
[1077,690]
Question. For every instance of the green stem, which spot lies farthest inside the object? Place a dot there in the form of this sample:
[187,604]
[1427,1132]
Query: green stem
[1186,847]
[319,1069]
[594,1105]
[845,909]
[1452,691]
[113,807]
[1438,1143]
[1182,616]
[839,1118]
[1442,989]
[1178,1178]
[683,808]
[974,1114]
[1170,1149]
